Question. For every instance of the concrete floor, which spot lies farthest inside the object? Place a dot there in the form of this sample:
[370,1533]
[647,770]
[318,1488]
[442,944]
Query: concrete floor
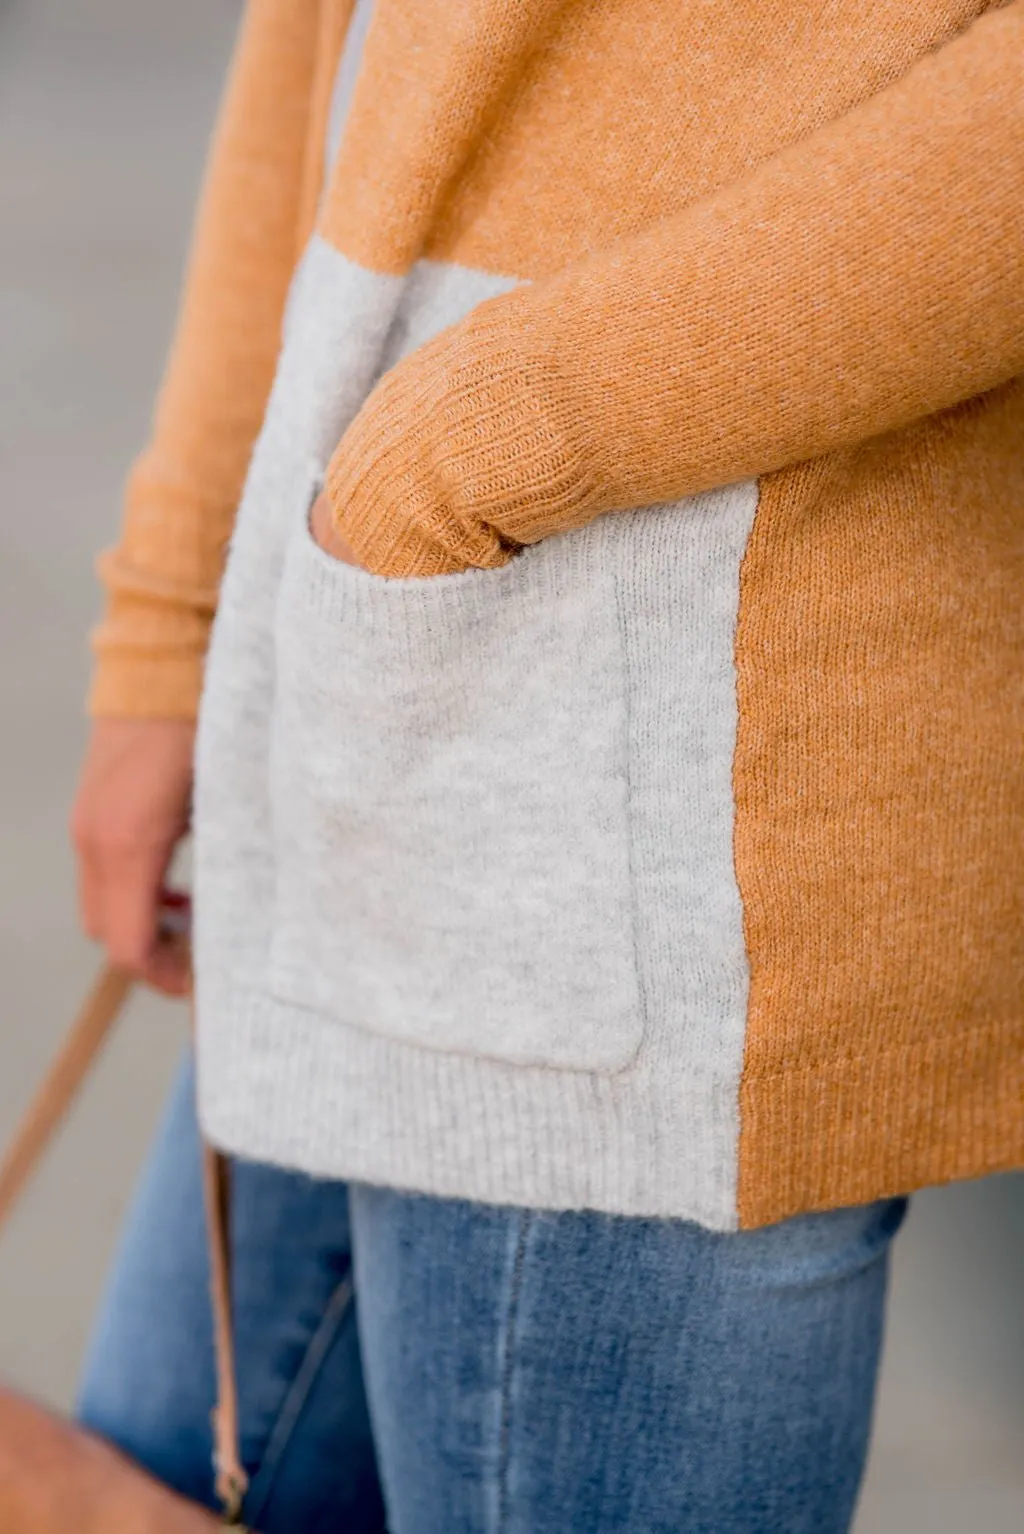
[104,111]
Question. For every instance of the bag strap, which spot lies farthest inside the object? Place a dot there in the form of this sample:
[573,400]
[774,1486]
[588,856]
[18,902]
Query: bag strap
[231,1480]
[68,1069]
[43,1117]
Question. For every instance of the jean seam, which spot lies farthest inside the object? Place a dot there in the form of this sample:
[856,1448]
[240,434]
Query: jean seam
[507,1365]
[335,1312]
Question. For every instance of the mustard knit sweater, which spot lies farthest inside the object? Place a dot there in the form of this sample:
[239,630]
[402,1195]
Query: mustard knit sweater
[709,316]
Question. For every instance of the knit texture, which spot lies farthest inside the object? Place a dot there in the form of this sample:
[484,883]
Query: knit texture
[576,270]
[258,205]
[826,273]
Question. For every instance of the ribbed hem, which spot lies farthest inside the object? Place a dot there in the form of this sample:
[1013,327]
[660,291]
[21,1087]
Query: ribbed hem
[854,1130]
[285,1085]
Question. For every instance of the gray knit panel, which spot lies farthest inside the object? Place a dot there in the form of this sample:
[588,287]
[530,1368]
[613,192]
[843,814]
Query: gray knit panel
[467,919]
[448,789]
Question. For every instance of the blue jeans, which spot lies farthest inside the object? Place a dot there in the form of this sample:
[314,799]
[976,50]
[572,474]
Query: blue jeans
[480,1370]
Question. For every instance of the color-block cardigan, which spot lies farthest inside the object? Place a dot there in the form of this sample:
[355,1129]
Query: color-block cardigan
[642,829]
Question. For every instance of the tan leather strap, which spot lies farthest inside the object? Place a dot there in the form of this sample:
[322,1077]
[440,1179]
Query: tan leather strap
[232,1480]
[45,1113]
[70,1065]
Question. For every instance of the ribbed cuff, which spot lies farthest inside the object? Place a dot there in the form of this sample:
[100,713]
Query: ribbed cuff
[464,451]
[138,684]
[150,646]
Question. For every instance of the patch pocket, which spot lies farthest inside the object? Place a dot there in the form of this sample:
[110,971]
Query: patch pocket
[449,789]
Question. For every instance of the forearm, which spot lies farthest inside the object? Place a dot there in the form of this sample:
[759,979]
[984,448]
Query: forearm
[162,577]
[869,275]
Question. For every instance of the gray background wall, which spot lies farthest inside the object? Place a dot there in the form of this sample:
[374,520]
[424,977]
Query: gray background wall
[104,110]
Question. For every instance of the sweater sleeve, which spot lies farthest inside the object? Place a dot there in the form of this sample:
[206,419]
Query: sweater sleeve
[868,275]
[161,578]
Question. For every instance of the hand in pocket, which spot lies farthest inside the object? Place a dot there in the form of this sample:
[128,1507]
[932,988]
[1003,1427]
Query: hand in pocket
[325,532]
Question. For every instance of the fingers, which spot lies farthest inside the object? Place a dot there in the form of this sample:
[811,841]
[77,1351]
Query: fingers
[131,811]
[169,966]
[122,899]
[90,893]
[130,894]
[325,532]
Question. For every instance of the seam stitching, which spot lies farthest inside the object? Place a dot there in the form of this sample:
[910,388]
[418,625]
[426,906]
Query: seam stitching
[507,1365]
[335,1312]
[630,830]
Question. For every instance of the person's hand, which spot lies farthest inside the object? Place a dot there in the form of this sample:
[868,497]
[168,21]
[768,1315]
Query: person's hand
[131,810]
[325,532]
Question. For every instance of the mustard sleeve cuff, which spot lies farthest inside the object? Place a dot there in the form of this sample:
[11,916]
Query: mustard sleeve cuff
[149,653]
[461,454]
[136,684]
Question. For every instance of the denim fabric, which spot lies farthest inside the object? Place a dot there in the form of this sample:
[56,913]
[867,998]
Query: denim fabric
[525,1372]
[149,1375]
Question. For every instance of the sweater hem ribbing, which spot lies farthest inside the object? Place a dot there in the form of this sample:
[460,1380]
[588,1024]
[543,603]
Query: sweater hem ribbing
[882,1123]
[283,1085]
[288,1086]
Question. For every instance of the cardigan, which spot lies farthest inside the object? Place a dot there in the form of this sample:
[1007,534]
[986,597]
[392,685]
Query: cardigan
[641,828]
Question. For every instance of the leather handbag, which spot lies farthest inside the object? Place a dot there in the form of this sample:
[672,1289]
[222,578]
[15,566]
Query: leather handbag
[55,1476]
